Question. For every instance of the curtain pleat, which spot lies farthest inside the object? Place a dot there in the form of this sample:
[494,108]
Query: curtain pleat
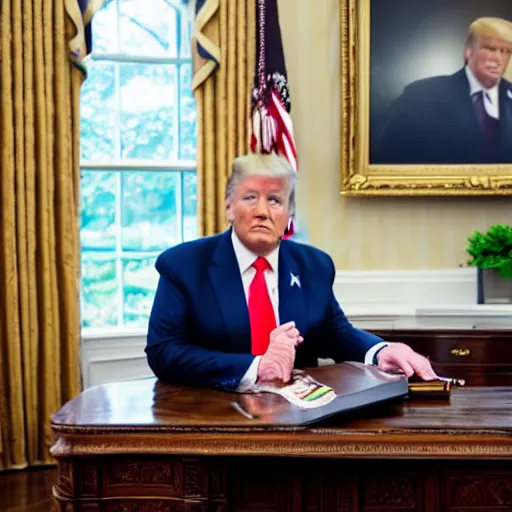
[223,102]
[39,223]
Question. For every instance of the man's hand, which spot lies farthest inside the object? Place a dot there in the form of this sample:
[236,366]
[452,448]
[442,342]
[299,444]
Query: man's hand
[398,356]
[277,362]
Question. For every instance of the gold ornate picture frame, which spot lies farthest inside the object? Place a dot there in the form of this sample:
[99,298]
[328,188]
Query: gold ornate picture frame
[361,177]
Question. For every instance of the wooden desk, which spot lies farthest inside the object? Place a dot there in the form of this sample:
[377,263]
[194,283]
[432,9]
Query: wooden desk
[143,446]
[478,350]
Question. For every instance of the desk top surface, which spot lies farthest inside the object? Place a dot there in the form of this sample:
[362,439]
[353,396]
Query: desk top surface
[151,404]
[147,416]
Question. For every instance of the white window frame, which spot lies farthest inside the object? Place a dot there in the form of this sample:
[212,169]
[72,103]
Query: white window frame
[135,336]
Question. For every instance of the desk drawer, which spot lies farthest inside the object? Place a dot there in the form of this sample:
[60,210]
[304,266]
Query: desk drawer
[456,348]
[469,350]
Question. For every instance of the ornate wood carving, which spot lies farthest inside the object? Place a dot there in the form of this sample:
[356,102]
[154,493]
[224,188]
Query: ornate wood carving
[89,479]
[192,478]
[390,492]
[487,491]
[129,473]
[420,444]
[144,506]
[65,479]
[281,484]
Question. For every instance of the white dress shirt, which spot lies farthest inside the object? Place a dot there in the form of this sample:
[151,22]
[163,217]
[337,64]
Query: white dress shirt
[491,96]
[245,259]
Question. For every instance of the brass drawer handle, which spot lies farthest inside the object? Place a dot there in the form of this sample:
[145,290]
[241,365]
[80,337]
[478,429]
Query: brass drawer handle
[460,352]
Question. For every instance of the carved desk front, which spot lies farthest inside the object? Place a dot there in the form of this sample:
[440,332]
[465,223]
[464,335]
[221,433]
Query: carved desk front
[143,446]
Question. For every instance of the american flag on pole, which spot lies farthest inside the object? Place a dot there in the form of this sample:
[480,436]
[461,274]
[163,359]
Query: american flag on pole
[271,124]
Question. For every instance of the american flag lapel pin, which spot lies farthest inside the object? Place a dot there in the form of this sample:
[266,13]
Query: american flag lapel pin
[294,280]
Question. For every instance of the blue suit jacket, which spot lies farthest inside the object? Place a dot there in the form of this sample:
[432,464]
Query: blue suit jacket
[199,329]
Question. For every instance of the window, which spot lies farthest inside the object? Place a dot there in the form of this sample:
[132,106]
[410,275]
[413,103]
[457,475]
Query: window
[138,137]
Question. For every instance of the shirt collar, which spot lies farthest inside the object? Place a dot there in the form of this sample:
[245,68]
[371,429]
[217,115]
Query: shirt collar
[475,86]
[246,258]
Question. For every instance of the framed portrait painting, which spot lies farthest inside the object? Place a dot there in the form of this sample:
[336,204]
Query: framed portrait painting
[426,94]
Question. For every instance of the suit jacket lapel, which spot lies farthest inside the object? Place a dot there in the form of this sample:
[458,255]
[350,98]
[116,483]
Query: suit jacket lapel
[467,119]
[291,292]
[228,286]
[506,113]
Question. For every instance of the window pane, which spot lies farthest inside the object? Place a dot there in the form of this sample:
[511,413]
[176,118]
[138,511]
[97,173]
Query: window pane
[98,112]
[188,115]
[148,27]
[140,281]
[135,110]
[104,28]
[151,210]
[148,111]
[185,35]
[98,230]
[189,206]
[99,293]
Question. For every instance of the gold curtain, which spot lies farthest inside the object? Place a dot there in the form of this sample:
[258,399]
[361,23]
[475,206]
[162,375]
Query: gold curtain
[226,29]
[39,256]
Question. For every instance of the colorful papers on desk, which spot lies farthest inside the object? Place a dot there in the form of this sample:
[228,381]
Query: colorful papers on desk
[303,391]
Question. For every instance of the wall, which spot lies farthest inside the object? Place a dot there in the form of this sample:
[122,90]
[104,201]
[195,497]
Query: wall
[361,233]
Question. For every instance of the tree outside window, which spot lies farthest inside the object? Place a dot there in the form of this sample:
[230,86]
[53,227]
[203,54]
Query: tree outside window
[138,150]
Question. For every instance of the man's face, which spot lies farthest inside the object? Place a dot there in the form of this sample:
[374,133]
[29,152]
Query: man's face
[259,211]
[488,58]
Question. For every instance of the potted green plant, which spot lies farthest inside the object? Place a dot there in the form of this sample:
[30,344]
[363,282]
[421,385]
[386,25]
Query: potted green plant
[491,253]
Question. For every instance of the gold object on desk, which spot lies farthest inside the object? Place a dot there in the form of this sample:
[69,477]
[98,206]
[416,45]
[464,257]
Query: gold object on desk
[460,352]
[439,388]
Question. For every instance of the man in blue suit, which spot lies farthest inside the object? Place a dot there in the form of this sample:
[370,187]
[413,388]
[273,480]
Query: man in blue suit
[464,118]
[247,306]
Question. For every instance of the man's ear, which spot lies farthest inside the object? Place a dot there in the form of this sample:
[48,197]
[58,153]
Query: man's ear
[468,52]
[229,211]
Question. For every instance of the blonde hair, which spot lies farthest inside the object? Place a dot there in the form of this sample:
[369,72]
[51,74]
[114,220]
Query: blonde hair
[255,164]
[490,27]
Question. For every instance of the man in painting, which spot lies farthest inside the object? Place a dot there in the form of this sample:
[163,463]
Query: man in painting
[464,118]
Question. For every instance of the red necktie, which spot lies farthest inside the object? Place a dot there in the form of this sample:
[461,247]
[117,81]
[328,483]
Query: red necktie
[261,312]
[489,125]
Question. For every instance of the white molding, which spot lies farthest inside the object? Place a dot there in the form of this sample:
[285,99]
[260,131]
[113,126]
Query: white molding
[112,333]
[113,358]
[370,299]
[464,310]
[377,293]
